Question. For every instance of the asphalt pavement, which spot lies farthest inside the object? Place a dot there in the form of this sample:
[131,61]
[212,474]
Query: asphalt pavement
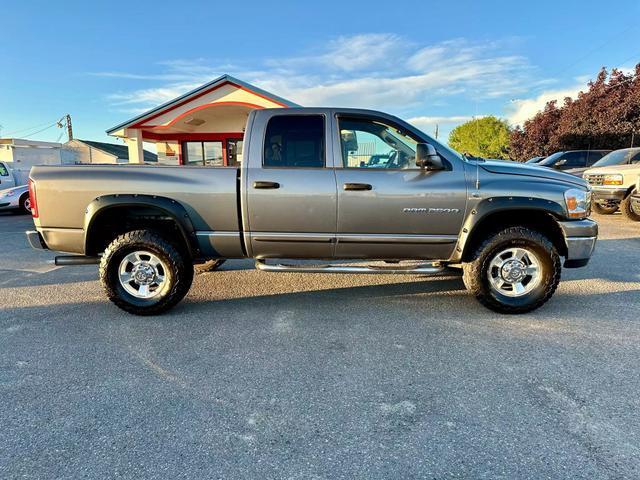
[308,376]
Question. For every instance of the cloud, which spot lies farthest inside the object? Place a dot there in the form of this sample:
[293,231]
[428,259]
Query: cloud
[521,110]
[373,70]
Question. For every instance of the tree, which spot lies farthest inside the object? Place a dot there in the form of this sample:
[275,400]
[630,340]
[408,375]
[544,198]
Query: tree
[605,116]
[486,137]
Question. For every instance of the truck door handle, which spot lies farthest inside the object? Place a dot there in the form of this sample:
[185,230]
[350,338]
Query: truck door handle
[262,184]
[357,186]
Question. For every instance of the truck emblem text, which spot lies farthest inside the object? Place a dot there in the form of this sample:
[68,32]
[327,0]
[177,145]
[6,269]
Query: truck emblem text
[430,210]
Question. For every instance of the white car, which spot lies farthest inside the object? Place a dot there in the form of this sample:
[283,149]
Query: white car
[16,198]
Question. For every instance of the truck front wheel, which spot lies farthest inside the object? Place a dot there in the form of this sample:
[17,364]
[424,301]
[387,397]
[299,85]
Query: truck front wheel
[145,274]
[513,271]
[628,211]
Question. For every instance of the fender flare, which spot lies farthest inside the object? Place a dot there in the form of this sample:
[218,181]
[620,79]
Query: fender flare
[170,207]
[494,205]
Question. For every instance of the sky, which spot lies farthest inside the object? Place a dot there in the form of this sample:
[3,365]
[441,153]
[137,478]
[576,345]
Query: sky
[427,62]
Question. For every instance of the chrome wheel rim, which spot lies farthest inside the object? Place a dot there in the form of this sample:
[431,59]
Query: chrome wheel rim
[27,204]
[514,272]
[142,274]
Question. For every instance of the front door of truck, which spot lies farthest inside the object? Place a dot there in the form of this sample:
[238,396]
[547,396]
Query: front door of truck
[387,206]
[291,188]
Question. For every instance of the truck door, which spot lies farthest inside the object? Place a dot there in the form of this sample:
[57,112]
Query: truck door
[291,187]
[387,206]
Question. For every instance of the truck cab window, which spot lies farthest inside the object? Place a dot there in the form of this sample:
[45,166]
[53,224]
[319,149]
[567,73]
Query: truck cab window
[3,171]
[368,143]
[295,141]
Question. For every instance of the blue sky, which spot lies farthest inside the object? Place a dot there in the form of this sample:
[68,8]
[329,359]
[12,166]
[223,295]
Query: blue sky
[430,62]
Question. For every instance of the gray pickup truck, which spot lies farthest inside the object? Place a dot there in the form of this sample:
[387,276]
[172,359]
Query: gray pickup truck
[343,185]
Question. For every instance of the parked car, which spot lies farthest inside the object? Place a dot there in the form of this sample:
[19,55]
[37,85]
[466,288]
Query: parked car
[16,199]
[573,162]
[635,201]
[614,182]
[306,190]
[535,159]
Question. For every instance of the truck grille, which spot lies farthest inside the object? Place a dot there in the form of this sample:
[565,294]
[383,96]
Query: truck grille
[595,179]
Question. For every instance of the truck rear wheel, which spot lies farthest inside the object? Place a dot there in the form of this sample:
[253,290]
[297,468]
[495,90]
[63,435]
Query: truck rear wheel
[627,209]
[145,274]
[514,271]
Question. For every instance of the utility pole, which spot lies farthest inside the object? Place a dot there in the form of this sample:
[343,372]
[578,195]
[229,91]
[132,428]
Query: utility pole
[69,127]
[436,131]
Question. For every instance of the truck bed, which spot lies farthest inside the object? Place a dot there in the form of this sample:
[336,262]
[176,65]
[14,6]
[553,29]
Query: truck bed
[208,194]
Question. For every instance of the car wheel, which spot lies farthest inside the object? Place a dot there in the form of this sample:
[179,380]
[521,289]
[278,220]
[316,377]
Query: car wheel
[627,209]
[604,210]
[25,204]
[513,271]
[144,273]
[210,265]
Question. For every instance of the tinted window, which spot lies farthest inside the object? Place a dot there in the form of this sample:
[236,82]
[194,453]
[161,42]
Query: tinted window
[295,141]
[575,160]
[368,143]
[3,171]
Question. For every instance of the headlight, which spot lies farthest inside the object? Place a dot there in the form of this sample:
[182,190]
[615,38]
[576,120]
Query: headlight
[615,179]
[578,203]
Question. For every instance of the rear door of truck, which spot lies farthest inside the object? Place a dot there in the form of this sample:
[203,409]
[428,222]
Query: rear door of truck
[290,194]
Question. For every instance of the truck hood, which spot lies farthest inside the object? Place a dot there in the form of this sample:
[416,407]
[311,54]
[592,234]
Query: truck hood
[612,169]
[532,170]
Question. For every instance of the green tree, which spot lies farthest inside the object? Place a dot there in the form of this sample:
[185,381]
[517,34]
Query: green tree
[486,137]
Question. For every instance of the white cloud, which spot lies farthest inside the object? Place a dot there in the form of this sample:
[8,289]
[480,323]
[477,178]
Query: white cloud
[379,71]
[523,109]
[428,123]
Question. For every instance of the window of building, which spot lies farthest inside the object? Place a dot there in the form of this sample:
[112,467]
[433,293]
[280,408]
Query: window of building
[234,153]
[368,143]
[203,153]
[295,141]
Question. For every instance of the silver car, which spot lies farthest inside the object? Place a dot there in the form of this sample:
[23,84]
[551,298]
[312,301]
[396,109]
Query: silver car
[16,199]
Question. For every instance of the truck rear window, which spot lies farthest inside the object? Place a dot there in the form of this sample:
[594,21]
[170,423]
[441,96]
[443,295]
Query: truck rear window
[295,141]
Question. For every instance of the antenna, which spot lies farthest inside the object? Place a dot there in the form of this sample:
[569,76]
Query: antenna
[475,120]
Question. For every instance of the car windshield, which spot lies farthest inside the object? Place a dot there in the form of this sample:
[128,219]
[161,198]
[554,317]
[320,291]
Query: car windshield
[551,159]
[619,157]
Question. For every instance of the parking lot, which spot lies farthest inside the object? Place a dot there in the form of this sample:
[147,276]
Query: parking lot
[259,375]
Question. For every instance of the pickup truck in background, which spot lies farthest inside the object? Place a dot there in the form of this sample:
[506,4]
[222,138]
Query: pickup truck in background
[613,182]
[320,183]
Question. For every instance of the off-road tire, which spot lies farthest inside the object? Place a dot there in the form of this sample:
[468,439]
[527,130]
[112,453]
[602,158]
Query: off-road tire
[600,210]
[475,272]
[24,201]
[628,211]
[178,264]
[210,265]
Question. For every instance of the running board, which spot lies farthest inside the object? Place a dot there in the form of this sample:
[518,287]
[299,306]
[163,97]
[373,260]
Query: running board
[420,269]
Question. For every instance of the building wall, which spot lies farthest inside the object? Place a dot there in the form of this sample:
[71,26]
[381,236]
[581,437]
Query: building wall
[76,151]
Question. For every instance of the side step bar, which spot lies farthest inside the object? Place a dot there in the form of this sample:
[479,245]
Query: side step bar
[67,260]
[419,269]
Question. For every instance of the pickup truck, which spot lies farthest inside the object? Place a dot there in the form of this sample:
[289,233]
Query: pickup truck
[344,185]
[613,182]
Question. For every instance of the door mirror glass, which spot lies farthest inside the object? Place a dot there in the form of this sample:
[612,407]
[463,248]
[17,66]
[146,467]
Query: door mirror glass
[427,157]
[560,163]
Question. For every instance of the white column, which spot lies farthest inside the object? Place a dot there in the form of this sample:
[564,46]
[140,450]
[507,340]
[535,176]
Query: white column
[134,142]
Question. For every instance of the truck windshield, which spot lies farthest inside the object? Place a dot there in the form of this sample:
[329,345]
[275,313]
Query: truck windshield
[619,157]
[3,171]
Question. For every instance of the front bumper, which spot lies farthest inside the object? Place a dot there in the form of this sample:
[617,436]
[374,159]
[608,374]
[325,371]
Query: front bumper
[599,194]
[9,203]
[35,240]
[580,237]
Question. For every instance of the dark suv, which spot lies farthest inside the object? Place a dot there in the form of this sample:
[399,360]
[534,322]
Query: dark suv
[574,162]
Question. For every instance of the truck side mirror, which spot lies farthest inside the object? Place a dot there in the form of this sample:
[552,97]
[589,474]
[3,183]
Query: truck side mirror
[427,157]
[560,163]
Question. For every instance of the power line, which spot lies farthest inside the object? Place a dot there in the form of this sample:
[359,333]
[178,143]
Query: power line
[40,131]
[26,129]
